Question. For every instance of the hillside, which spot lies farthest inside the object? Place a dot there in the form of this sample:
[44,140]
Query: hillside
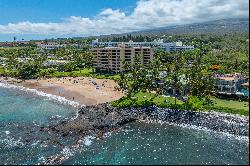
[215,27]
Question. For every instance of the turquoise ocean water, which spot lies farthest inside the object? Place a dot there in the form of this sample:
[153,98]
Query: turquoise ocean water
[21,141]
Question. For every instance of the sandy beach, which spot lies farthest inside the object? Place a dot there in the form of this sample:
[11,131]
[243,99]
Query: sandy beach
[85,90]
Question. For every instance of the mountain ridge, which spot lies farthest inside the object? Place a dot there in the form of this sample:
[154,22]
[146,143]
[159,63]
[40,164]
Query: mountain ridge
[222,26]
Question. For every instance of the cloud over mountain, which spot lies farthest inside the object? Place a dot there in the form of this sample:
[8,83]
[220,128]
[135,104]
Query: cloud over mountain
[147,14]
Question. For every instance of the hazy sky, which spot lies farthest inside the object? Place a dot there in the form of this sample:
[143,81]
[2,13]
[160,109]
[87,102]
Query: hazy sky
[38,19]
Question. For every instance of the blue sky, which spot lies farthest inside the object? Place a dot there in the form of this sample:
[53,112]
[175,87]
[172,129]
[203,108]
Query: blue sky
[39,19]
[13,11]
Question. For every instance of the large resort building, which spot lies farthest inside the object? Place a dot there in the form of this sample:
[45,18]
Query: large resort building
[110,59]
[169,47]
[109,56]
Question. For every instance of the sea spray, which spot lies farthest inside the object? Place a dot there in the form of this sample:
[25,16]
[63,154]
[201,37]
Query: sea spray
[12,142]
[88,140]
[69,151]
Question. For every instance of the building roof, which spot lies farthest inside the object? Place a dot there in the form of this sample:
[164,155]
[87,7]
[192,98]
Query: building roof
[227,78]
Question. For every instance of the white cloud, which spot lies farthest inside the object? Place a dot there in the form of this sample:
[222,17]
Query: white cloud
[146,14]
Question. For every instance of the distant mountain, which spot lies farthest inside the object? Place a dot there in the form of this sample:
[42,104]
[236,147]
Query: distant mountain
[214,27]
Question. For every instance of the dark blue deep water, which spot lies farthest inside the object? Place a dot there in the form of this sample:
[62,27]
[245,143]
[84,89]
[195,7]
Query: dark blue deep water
[21,141]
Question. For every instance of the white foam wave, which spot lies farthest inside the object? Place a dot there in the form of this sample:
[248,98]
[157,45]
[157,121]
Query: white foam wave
[88,140]
[67,152]
[41,159]
[59,99]
[11,142]
[107,134]
[35,143]
[7,132]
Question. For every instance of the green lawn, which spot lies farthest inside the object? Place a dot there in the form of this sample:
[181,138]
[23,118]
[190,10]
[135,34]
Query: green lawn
[220,105]
[231,104]
[143,96]
[84,73]
[144,99]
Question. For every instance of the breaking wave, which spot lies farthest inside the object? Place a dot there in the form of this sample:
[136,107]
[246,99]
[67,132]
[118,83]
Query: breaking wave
[51,97]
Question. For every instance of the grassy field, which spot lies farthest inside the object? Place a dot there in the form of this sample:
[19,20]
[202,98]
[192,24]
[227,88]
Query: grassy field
[231,104]
[220,105]
[83,73]
[143,96]
[144,99]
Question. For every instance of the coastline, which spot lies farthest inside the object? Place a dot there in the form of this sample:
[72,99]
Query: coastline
[102,118]
[83,90]
[98,119]
[63,89]
[59,99]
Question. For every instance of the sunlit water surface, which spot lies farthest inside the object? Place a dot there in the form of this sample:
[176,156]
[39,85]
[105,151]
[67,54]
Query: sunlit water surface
[21,141]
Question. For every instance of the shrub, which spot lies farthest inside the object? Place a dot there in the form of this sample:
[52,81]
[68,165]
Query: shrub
[127,102]
[194,103]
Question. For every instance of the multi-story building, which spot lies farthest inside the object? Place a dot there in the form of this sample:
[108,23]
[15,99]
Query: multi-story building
[230,84]
[175,47]
[169,47]
[110,59]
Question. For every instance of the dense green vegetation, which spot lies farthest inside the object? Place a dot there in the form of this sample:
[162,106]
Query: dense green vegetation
[228,50]
[144,99]
[188,73]
[87,72]
[194,79]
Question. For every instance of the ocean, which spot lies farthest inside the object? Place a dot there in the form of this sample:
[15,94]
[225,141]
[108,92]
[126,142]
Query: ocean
[24,112]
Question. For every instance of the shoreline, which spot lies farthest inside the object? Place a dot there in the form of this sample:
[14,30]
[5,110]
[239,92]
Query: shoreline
[84,90]
[160,115]
[35,87]
[58,99]
[99,119]
[103,117]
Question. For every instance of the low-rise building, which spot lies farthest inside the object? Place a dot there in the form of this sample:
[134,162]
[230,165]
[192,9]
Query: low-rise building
[56,45]
[50,63]
[110,59]
[50,45]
